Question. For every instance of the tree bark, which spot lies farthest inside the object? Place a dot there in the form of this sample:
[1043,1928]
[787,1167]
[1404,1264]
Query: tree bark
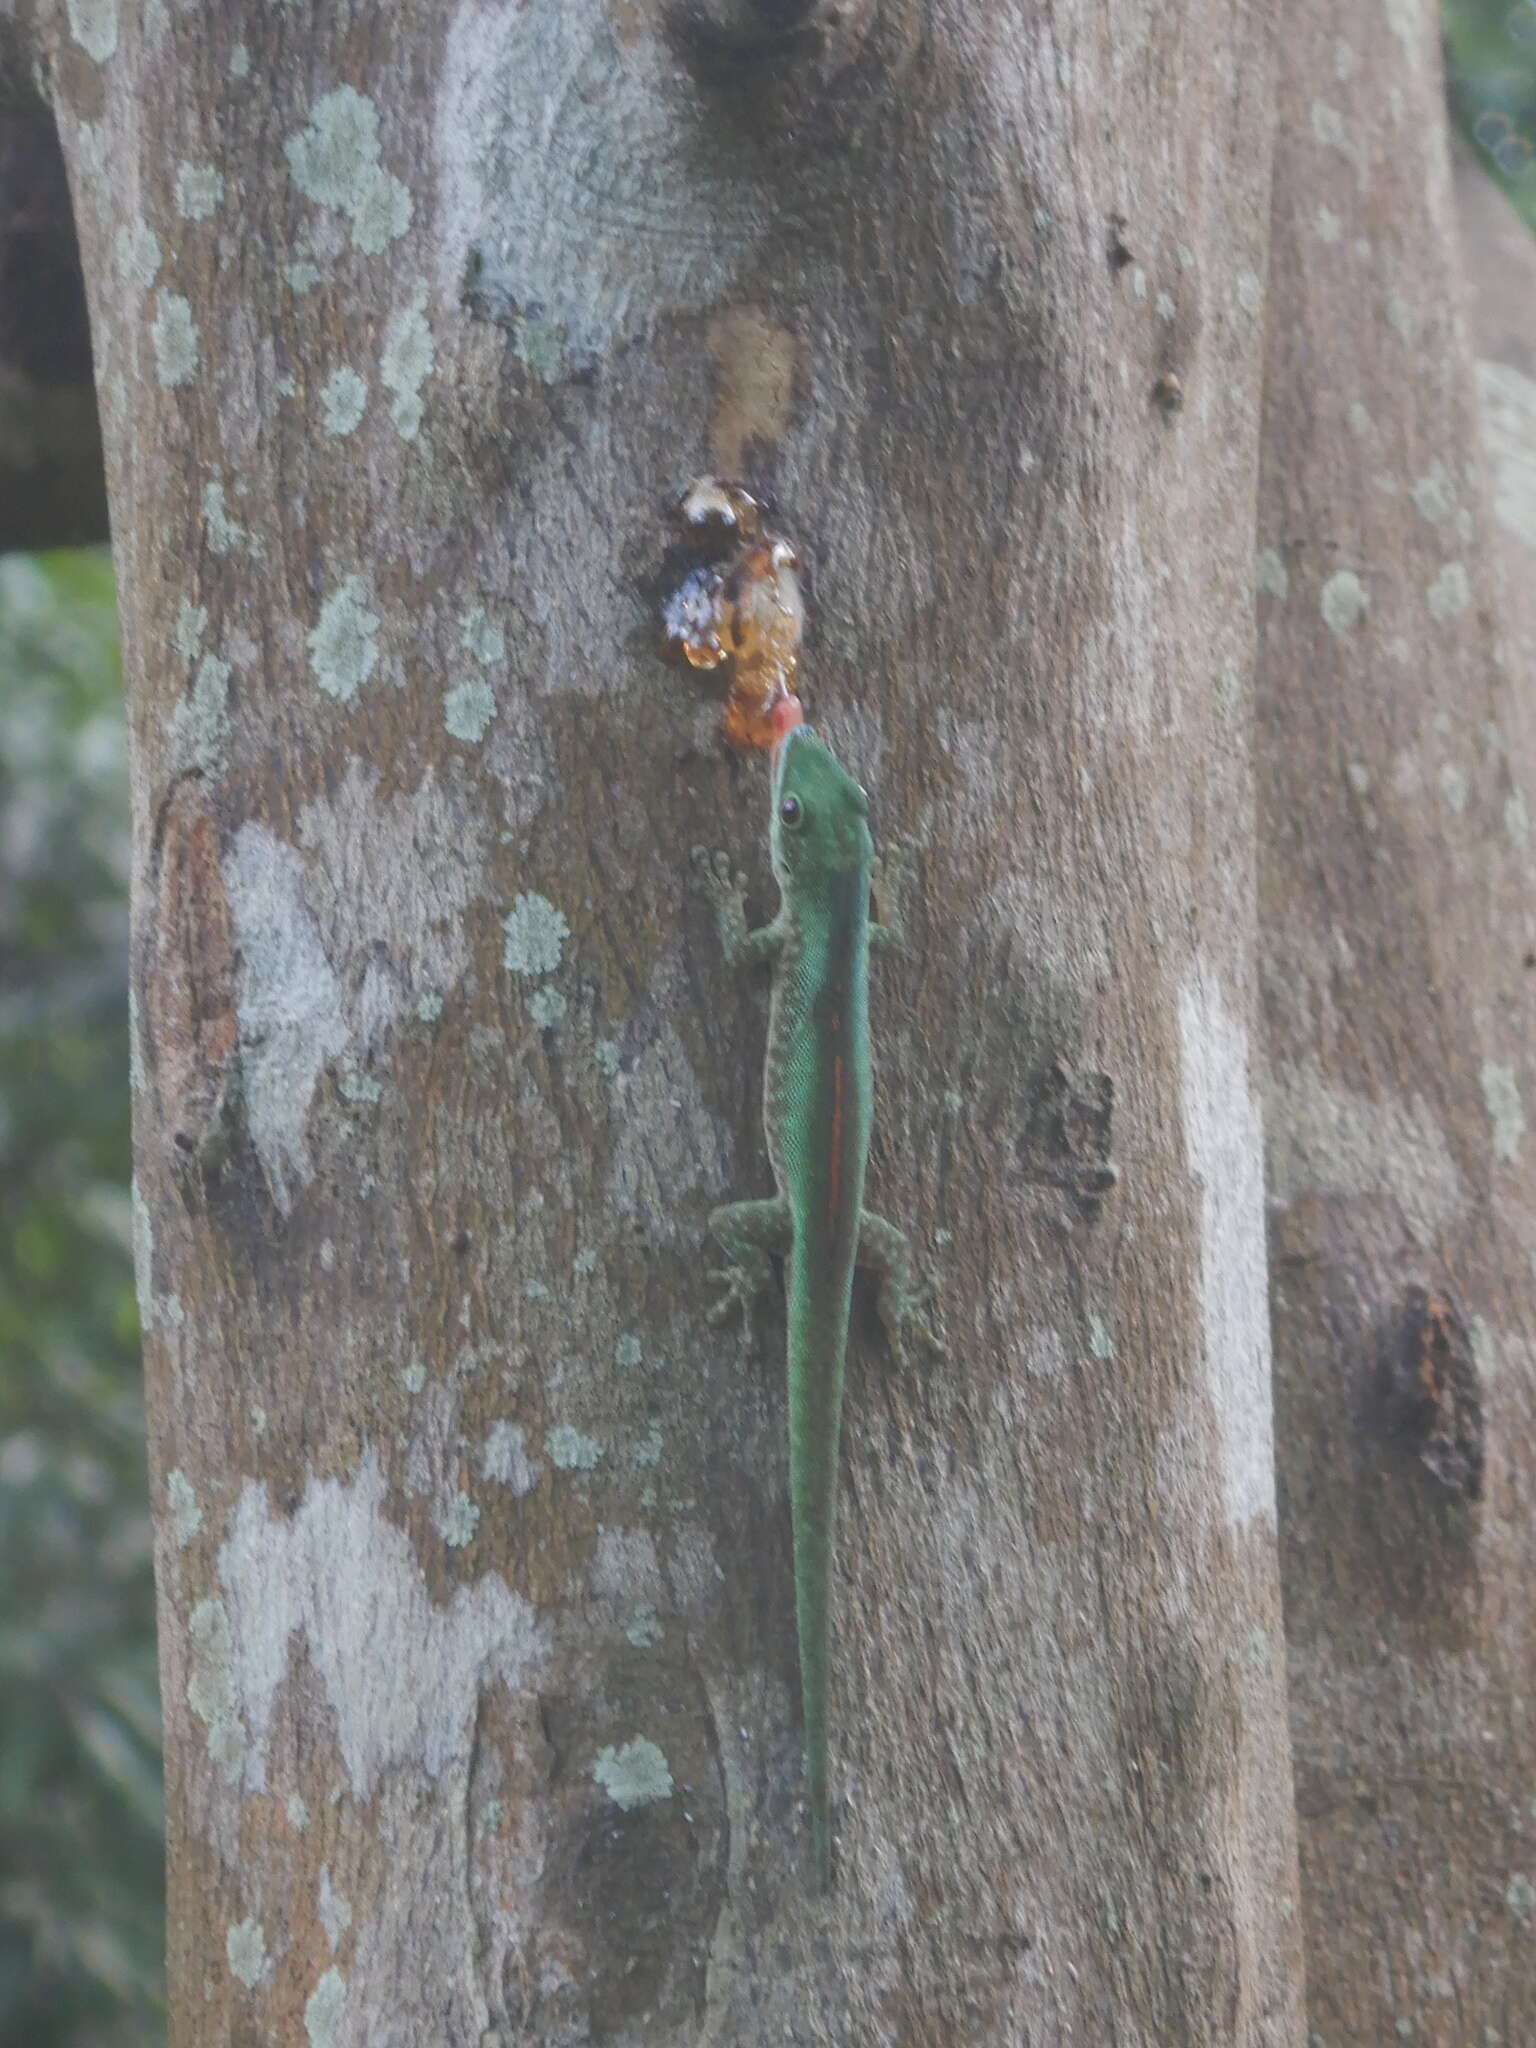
[477,1635]
[1396,925]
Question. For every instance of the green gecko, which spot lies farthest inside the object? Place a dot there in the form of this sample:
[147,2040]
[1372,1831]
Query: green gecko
[817,1099]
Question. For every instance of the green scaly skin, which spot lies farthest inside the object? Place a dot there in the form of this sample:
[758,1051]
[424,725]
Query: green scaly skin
[817,1092]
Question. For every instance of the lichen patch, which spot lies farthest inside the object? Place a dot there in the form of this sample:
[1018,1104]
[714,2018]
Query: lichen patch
[335,160]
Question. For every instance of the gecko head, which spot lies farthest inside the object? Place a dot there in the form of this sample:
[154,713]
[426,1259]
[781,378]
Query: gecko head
[820,822]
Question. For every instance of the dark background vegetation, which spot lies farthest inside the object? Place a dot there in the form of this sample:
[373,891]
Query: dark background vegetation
[80,1827]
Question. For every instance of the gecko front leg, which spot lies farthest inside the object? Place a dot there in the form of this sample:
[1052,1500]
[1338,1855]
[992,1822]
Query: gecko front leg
[727,891]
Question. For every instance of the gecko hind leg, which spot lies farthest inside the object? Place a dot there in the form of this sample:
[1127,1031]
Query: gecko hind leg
[904,1303]
[751,1233]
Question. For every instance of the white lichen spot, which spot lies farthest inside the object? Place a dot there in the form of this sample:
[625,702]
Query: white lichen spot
[635,1775]
[1453,786]
[1517,821]
[335,161]
[1485,1349]
[301,275]
[468,709]
[1342,602]
[570,1450]
[1101,1344]
[288,1002]
[1506,1111]
[1329,226]
[298,1813]
[414,1377]
[1450,593]
[1250,292]
[584,1265]
[481,639]
[211,1686]
[343,651]
[337,1591]
[1328,129]
[1359,776]
[335,1911]
[138,254]
[458,1521]
[357,1084]
[221,529]
[1520,1896]
[173,336]
[246,1947]
[93,24]
[505,1461]
[534,935]
[1224,1140]
[1359,419]
[191,625]
[239,62]
[199,190]
[606,1057]
[1434,495]
[343,396]
[1164,306]
[628,1352]
[429,1008]
[645,1630]
[181,1500]
[406,362]
[1271,575]
[647,1452]
[1138,281]
[325,2009]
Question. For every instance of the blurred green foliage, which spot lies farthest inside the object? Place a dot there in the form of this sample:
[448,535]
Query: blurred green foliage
[1490,61]
[81,1889]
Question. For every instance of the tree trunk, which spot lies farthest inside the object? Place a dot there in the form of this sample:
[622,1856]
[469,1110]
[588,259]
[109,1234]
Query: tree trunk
[478,1653]
[1395,912]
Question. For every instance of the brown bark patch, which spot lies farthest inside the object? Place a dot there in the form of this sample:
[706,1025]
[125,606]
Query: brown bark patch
[1431,1399]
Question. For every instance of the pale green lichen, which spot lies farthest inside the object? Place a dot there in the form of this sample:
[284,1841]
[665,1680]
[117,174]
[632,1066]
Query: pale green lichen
[173,336]
[547,1007]
[406,363]
[1342,602]
[1329,226]
[1450,593]
[1100,1343]
[458,1521]
[1359,777]
[199,190]
[1517,820]
[628,1352]
[1359,419]
[210,1686]
[1453,786]
[93,24]
[414,1377]
[356,1083]
[181,1500]
[636,1775]
[138,254]
[570,1450]
[1520,1896]
[584,1264]
[301,275]
[647,1453]
[645,1630]
[239,62]
[191,625]
[1250,292]
[200,722]
[430,1007]
[534,935]
[481,639]
[335,161]
[343,396]
[343,651]
[298,1813]
[1506,1111]
[1270,573]
[325,2009]
[1400,319]
[246,1947]
[468,709]
[223,531]
[606,1054]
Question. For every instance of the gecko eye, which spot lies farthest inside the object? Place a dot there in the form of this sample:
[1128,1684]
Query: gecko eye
[790,811]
